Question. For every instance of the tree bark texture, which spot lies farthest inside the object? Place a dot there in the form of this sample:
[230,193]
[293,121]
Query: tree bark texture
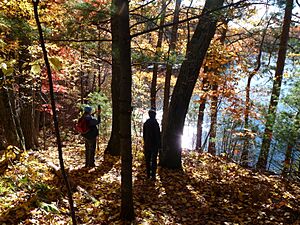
[200,118]
[200,123]
[189,72]
[123,45]
[158,46]
[113,146]
[245,152]
[271,117]
[9,119]
[26,94]
[173,40]
[213,119]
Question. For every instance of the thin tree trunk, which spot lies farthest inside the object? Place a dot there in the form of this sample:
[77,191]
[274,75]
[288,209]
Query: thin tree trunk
[271,117]
[158,52]
[213,119]
[245,151]
[8,118]
[123,44]
[214,101]
[55,119]
[204,89]
[189,71]
[199,125]
[292,142]
[81,76]
[287,160]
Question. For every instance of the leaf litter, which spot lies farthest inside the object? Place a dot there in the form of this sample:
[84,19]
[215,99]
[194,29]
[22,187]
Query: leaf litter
[208,190]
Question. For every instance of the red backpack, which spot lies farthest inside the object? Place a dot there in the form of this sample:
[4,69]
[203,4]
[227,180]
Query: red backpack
[82,126]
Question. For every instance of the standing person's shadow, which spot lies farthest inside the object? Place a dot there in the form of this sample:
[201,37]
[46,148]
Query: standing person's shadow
[188,208]
[85,177]
[145,190]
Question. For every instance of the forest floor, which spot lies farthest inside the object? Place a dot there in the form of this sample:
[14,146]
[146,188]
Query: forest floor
[209,190]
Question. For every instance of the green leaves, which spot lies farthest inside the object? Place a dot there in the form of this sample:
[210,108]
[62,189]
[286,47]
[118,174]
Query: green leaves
[48,207]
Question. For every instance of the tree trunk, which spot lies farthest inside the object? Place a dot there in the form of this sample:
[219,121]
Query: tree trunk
[292,142]
[189,71]
[173,40]
[204,88]
[214,100]
[27,124]
[287,160]
[81,76]
[123,44]
[26,94]
[200,123]
[245,151]
[113,146]
[54,113]
[271,117]
[158,52]
[213,120]
[9,120]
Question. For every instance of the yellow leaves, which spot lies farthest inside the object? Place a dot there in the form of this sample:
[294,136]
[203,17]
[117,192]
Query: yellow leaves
[55,63]
[7,66]
[236,196]
[288,195]
[35,69]
[286,75]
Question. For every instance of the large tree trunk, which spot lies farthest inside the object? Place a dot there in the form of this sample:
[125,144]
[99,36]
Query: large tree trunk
[158,52]
[113,146]
[196,51]
[123,44]
[271,117]
[173,40]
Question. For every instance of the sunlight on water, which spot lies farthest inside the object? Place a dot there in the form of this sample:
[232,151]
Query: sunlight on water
[188,139]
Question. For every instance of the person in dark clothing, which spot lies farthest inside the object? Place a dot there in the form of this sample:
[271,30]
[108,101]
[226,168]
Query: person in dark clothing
[90,137]
[152,142]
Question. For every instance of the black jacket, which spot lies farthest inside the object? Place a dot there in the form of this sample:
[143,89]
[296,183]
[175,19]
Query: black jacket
[93,130]
[151,134]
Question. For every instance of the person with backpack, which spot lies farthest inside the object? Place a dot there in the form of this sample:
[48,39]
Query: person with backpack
[152,142]
[87,127]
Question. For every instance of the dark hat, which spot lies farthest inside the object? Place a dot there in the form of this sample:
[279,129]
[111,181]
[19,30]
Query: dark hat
[88,109]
